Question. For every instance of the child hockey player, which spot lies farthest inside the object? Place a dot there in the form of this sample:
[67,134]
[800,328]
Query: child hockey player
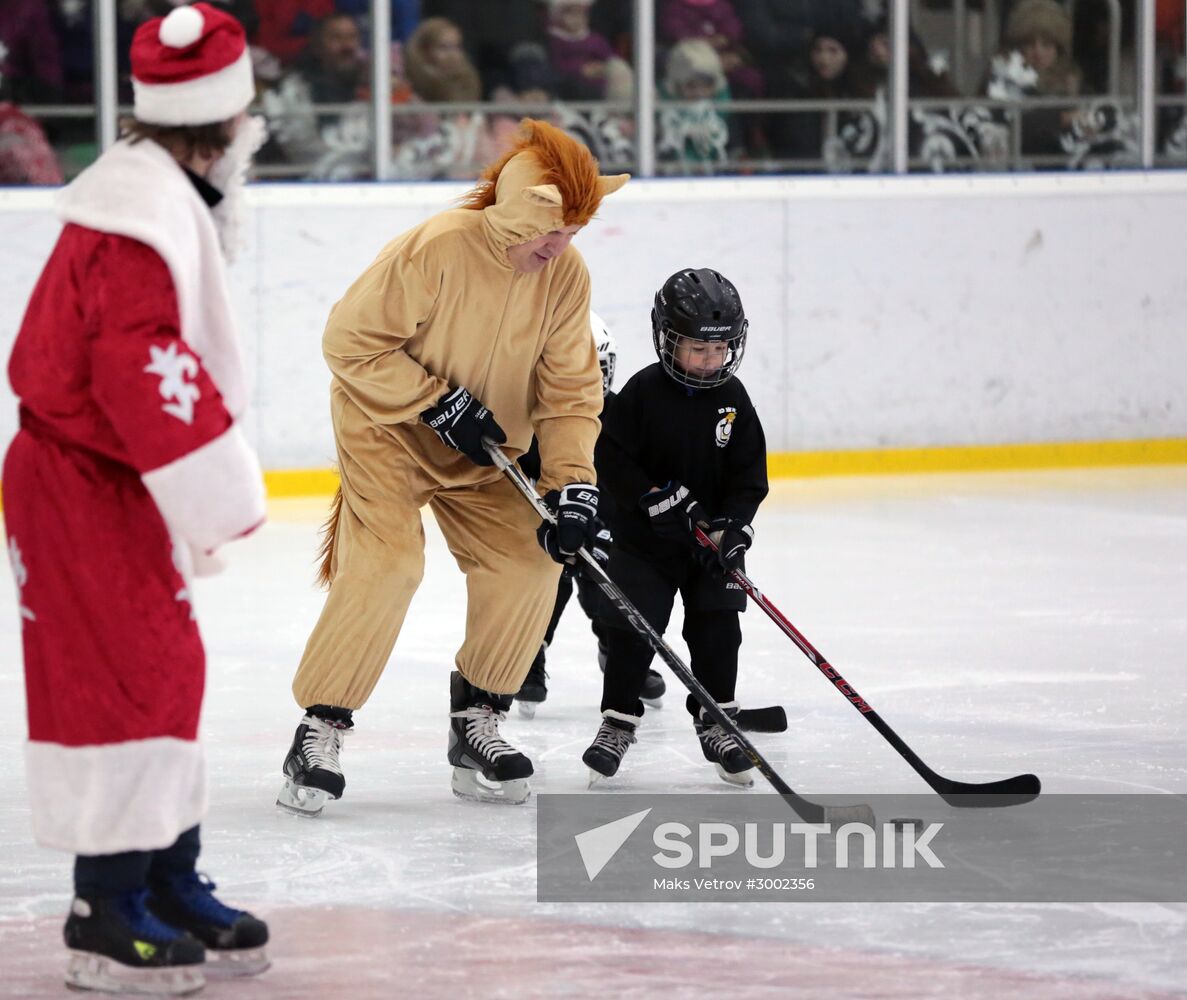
[534,689]
[681,446]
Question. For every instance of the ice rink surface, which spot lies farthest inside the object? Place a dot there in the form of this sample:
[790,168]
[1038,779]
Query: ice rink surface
[1001,622]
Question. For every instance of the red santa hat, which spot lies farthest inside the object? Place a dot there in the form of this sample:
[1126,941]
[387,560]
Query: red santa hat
[191,67]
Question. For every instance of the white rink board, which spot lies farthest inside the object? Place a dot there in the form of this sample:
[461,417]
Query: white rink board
[901,312]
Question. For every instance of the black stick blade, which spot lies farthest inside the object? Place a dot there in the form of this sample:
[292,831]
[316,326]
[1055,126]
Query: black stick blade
[990,794]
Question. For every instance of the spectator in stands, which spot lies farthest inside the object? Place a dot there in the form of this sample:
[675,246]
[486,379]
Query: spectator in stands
[286,26]
[716,22]
[698,137]
[583,60]
[333,65]
[437,65]
[779,32]
[492,30]
[532,84]
[29,52]
[1036,61]
[829,76]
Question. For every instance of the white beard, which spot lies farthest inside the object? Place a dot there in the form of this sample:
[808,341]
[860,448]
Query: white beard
[228,175]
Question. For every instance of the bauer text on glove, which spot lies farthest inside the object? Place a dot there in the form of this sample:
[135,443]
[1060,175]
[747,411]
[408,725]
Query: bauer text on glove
[575,508]
[461,422]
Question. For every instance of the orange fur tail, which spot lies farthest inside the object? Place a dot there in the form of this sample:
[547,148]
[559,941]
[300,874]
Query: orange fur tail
[329,530]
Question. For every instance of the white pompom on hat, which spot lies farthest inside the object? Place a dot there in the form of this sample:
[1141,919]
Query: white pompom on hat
[191,67]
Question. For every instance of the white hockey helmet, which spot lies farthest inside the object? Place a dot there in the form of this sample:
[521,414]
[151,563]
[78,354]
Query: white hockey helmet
[607,349]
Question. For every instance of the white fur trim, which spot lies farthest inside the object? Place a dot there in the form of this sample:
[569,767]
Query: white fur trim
[211,98]
[610,713]
[139,191]
[181,27]
[103,799]
[212,495]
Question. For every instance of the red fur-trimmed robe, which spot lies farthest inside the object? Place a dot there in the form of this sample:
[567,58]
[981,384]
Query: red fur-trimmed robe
[128,472]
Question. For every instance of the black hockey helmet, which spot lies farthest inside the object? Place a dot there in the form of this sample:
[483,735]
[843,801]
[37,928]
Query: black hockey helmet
[698,304]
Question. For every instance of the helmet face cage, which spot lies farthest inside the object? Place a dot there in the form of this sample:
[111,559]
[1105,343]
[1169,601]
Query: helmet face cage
[668,341]
[607,362]
[607,349]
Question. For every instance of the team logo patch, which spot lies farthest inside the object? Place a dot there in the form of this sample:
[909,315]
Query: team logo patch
[725,425]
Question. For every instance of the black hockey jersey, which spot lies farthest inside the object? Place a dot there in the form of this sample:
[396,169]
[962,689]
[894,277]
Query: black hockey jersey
[655,431]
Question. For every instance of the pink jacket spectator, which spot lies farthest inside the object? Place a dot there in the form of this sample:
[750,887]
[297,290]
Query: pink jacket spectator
[25,155]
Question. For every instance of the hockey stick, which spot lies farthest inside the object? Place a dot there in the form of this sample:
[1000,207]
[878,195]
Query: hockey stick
[810,812]
[1006,792]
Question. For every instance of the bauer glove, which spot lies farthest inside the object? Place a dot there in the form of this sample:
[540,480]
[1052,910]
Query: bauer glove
[732,538]
[575,508]
[674,513]
[461,422]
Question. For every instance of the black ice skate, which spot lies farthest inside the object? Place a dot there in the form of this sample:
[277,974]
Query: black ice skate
[313,774]
[534,688]
[486,767]
[118,946]
[720,749]
[615,735]
[234,939]
[654,687]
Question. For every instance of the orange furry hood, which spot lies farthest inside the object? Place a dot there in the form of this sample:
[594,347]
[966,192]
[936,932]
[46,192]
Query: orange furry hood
[547,181]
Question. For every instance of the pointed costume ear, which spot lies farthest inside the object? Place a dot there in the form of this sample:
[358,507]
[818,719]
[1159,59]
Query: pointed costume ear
[610,184]
[546,195]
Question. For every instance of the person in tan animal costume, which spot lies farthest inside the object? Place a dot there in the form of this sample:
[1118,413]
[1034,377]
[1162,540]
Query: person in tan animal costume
[472,325]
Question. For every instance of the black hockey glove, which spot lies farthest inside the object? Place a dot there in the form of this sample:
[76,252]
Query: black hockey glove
[732,537]
[674,513]
[461,421]
[576,511]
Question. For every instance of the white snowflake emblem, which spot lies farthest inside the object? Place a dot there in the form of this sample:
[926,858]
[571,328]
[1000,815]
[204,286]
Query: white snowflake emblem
[174,369]
[22,577]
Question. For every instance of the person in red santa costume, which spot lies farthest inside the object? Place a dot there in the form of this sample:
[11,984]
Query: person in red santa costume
[129,471]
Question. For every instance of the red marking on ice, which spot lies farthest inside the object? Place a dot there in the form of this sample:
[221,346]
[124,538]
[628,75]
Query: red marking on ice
[380,955]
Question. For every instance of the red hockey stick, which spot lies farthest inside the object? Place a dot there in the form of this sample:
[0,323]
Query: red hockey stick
[1006,792]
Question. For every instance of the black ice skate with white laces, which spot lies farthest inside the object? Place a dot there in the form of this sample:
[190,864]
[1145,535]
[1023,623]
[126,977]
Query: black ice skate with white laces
[118,946]
[722,751]
[312,770]
[234,939]
[486,768]
[534,689]
[615,736]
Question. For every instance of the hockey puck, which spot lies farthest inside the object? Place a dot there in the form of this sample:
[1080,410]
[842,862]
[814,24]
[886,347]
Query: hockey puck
[906,821]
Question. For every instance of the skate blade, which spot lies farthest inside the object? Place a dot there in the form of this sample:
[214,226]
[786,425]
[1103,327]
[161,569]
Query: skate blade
[470,784]
[743,779]
[596,778]
[302,801]
[231,963]
[527,709]
[98,973]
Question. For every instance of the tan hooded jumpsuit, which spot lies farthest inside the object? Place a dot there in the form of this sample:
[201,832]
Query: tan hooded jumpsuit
[441,306]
